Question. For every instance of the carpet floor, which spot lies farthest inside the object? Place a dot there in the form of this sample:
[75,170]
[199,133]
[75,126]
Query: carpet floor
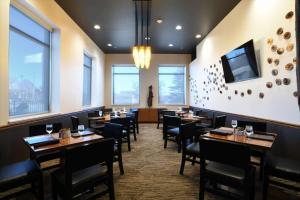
[152,172]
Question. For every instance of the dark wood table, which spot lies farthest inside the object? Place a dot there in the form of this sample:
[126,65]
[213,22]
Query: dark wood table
[192,118]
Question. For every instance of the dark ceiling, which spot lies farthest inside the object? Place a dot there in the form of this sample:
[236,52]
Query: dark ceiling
[117,21]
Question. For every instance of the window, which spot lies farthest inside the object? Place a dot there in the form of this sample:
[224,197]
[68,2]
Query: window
[87,80]
[126,85]
[171,80]
[29,65]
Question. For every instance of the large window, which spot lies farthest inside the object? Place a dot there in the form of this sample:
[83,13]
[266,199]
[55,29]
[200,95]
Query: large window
[126,85]
[87,80]
[171,84]
[29,65]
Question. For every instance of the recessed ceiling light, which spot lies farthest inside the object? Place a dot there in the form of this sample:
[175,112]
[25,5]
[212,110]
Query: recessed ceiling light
[147,38]
[178,27]
[159,21]
[109,44]
[170,45]
[97,27]
[198,36]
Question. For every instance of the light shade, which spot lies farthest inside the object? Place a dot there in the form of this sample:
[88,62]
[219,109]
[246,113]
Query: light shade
[141,56]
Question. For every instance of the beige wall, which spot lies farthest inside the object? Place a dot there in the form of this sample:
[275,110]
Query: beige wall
[69,44]
[257,20]
[147,77]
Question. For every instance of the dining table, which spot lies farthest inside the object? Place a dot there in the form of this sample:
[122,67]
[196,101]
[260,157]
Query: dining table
[188,118]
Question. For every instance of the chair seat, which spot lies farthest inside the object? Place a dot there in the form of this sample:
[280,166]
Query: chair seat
[284,167]
[82,176]
[193,148]
[173,131]
[18,171]
[225,170]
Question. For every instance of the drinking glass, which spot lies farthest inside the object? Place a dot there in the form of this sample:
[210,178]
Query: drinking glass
[234,124]
[249,130]
[49,128]
[100,113]
[80,128]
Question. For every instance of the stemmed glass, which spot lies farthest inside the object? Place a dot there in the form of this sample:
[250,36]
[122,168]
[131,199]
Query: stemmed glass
[49,128]
[234,124]
[100,113]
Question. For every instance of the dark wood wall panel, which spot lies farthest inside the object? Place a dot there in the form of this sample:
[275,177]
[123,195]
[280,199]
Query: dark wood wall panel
[12,148]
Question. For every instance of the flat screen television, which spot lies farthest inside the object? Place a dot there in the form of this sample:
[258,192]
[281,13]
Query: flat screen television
[240,64]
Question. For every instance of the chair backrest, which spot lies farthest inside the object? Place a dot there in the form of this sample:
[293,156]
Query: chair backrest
[40,129]
[75,122]
[233,154]
[220,121]
[200,113]
[257,126]
[169,113]
[112,130]
[84,156]
[93,114]
[171,122]
[188,134]
[125,121]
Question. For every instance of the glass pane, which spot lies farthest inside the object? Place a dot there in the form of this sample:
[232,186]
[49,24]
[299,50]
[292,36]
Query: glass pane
[28,26]
[126,70]
[171,70]
[171,89]
[28,76]
[87,61]
[86,86]
[126,89]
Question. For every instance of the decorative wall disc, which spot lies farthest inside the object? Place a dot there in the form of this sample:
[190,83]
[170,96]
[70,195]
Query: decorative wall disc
[287,35]
[289,15]
[235,92]
[249,91]
[270,41]
[270,60]
[274,48]
[229,97]
[295,94]
[289,66]
[280,51]
[294,60]
[261,95]
[276,62]
[269,84]
[242,94]
[279,31]
[286,81]
[226,87]
[278,81]
[290,47]
[221,92]
[274,72]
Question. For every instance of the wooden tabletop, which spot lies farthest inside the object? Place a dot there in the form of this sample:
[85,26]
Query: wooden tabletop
[63,143]
[192,118]
[105,118]
[243,139]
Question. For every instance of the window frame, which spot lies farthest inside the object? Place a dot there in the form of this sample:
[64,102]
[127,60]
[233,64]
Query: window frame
[35,19]
[113,86]
[184,87]
[87,54]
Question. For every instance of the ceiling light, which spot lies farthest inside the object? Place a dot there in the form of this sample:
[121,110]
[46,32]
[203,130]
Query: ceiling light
[178,27]
[97,27]
[170,45]
[198,36]
[109,44]
[147,38]
[159,21]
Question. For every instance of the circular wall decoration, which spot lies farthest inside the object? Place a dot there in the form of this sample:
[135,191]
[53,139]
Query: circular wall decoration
[289,15]
[286,81]
[278,81]
[295,94]
[249,91]
[274,72]
[229,97]
[236,92]
[279,31]
[287,35]
[276,62]
[221,92]
[280,51]
[273,48]
[261,95]
[294,60]
[242,94]
[269,84]
[226,87]
[290,47]
[270,41]
[270,60]
[289,67]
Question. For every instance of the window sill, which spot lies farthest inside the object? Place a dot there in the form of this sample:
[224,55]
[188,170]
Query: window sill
[19,120]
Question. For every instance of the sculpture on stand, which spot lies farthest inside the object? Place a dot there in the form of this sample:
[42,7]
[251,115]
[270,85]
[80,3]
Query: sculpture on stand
[150,97]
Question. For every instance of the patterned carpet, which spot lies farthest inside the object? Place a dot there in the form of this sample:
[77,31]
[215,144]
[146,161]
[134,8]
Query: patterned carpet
[152,172]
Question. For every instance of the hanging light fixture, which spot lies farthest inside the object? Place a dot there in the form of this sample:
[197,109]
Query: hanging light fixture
[141,52]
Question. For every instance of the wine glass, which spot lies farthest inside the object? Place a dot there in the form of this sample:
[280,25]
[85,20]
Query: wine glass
[80,128]
[100,113]
[49,128]
[249,130]
[234,124]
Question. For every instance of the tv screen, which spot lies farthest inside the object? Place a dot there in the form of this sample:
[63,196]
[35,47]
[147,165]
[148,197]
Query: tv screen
[240,64]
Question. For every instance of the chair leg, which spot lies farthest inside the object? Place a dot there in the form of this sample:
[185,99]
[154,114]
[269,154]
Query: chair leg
[137,128]
[157,125]
[265,185]
[261,168]
[134,134]
[54,191]
[128,141]
[179,144]
[182,164]
[166,141]
[111,188]
[120,160]
[202,188]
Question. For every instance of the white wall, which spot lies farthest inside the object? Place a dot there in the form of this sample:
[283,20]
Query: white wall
[70,42]
[257,20]
[147,77]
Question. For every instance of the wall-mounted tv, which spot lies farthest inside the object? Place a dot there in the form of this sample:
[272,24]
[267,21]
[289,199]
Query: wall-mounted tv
[240,64]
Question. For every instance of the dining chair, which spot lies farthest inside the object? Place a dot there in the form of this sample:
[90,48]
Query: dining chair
[280,167]
[126,122]
[226,164]
[171,130]
[85,167]
[112,130]
[160,116]
[135,111]
[95,124]
[190,144]
[40,129]
[204,123]
[19,174]
[75,122]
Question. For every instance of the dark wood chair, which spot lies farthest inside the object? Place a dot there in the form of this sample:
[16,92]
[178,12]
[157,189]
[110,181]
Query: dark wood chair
[112,130]
[40,129]
[95,124]
[126,122]
[171,130]
[226,164]
[19,174]
[75,123]
[205,123]
[135,111]
[190,144]
[280,167]
[160,116]
[86,166]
